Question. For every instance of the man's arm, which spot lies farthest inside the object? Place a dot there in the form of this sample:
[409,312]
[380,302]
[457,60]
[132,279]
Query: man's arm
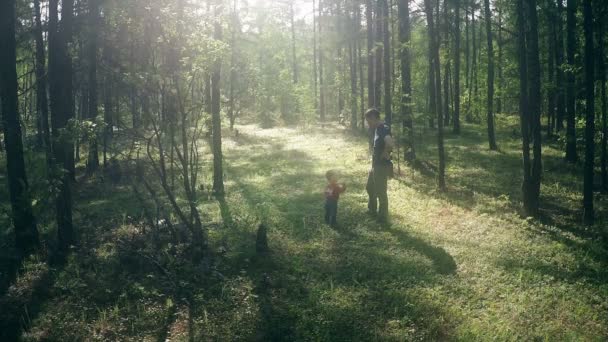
[389,144]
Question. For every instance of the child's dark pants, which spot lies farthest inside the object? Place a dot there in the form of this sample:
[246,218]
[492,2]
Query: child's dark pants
[331,211]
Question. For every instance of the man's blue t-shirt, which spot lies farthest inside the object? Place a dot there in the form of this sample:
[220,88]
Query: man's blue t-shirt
[382,131]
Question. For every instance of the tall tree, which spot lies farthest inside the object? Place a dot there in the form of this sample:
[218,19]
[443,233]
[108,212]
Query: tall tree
[60,89]
[434,53]
[26,232]
[559,61]
[218,170]
[588,215]
[371,80]
[293,40]
[571,154]
[456,119]
[602,70]
[405,37]
[388,102]
[93,160]
[42,104]
[490,103]
[320,51]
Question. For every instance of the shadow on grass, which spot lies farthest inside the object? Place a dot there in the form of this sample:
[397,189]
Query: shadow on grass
[300,284]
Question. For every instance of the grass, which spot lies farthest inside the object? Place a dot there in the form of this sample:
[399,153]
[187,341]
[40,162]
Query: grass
[456,266]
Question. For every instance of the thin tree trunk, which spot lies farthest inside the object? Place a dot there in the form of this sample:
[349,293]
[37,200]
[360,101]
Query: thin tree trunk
[602,69]
[93,159]
[490,104]
[26,232]
[371,80]
[314,54]
[405,37]
[388,99]
[534,103]
[559,61]
[231,109]
[60,95]
[293,42]
[551,94]
[456,119]
[499,102]
[571,153]
[321,82]
[41,86]
[434,48]
[588,211]
[218,172]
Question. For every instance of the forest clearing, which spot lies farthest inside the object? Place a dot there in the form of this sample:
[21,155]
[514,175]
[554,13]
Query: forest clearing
[303,170]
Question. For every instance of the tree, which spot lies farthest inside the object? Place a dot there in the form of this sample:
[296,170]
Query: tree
[571,154]
[601,57]
[371,51]
[588,212]
[456,119]
[559,61]
[405,37]
[434,60]
[218,170]
[26,232]
[60,89]
[490,109]
[41,86]
[388,103]
[93,160]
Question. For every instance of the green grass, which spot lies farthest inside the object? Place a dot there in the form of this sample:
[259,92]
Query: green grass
[456,266]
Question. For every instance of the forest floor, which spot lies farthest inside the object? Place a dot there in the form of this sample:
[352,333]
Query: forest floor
[456,266]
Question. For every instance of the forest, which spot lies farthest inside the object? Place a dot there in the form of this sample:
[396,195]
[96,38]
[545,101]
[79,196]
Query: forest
[165,168]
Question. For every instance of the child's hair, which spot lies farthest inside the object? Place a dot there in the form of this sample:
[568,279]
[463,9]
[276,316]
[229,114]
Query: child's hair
[330,174]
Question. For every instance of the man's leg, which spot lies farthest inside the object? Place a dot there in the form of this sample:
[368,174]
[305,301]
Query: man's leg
[372,203]
[381,186]
[334,214]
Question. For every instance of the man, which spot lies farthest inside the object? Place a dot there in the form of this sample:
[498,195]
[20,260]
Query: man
[382,167]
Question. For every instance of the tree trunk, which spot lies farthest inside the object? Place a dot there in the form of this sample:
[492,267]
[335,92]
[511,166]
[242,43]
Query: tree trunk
[26,233]
[551,93]
[321,84]
[93,160]
[379,52]
[60,86]
[388,98]
[490,104]
[41,86]
[571,154]
[499,101]
[293,41]
[218,172]
[314,55]
[588,214]
[534,103]
[371,94]
[360,64]
[602,69]
[469,116]
[231,109]
[559,61]
[352,63]
[405,37]
[434,48]
[456,118]
[446,75]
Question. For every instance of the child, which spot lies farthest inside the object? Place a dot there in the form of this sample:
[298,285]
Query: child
[332,194]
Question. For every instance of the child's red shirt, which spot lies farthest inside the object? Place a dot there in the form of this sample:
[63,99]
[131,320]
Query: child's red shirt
[333,191]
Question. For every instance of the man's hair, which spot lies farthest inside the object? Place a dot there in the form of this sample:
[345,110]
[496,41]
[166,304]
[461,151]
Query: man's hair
[331,173]
[372,113]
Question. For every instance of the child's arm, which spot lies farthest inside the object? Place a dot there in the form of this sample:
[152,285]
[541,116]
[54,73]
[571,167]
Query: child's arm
[342,188]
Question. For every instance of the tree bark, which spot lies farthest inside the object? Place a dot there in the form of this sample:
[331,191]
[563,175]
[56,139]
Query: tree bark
[93,159]
[456,118]
[26,232]
[371,81]
[434,53]
[571,153]
[535,100]
[602,70]
[405,37]
[388,90]
[321,82]
[60,86]
[218,172]
[588,211]
[559,61]
[41,86]
[490,103]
